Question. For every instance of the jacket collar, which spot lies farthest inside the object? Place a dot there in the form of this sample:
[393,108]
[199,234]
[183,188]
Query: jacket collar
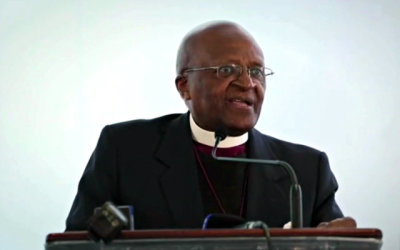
[260,148]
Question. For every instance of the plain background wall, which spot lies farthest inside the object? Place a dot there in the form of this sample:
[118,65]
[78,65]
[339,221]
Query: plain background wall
[67,68]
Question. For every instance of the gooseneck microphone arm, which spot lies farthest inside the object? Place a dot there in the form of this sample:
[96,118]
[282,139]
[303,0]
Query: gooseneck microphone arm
[296,203]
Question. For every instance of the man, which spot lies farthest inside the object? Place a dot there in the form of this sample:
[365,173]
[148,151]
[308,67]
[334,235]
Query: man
[163,166]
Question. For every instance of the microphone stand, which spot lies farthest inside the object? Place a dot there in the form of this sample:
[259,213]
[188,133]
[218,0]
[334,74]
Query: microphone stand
[296,203]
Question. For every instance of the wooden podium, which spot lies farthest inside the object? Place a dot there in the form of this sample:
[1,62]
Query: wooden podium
[306,238]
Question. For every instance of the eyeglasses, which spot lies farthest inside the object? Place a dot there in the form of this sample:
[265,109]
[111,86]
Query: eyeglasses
[256,73]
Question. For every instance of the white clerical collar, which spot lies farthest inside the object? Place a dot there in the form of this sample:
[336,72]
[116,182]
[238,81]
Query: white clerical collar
[207,137]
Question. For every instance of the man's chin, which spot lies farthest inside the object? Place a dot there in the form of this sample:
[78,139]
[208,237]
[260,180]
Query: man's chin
[239,123]
[238,129]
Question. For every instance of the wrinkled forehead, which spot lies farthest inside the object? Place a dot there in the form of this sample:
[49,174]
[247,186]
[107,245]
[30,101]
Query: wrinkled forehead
[219,41]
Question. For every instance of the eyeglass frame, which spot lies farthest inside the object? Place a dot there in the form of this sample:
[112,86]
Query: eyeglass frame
[235,66]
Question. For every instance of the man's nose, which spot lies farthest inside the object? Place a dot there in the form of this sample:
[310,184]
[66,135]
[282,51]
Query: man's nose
[244,80]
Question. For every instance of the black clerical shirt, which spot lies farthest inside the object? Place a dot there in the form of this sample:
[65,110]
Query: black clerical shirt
[222,184]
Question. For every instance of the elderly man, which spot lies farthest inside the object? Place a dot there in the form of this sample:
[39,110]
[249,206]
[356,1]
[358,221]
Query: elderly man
[163,166]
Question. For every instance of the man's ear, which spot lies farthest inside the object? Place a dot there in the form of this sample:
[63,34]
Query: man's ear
[182,86]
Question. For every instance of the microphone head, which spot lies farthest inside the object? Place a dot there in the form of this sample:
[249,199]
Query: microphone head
[220,133]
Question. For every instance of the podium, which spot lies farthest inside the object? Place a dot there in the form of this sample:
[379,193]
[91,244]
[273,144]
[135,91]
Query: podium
[305,238]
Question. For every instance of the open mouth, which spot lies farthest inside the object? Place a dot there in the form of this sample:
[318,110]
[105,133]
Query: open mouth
[241,101]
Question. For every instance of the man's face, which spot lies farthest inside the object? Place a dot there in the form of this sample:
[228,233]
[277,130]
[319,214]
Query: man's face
[215,101]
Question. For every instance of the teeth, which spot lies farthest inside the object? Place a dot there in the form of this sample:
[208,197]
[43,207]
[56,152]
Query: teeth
[240,100]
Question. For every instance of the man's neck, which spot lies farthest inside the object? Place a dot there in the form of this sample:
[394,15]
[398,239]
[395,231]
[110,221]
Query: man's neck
[207,137]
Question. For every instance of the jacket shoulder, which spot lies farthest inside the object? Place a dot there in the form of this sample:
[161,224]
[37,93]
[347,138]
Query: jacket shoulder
[283,149]
[141,130]
[140,125]
[137,123]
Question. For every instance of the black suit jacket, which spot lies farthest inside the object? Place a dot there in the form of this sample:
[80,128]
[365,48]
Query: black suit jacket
[150,164]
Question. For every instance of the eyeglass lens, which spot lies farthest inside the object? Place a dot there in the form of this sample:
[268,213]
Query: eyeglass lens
[255,73]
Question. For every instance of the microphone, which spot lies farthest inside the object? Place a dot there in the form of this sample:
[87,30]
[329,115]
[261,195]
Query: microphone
[106,223]
[214,220]
[296,202]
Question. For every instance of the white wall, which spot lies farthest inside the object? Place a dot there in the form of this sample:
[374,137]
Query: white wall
[67,68]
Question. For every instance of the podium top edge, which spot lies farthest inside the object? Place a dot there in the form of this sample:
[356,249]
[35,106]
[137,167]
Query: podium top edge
[196,233]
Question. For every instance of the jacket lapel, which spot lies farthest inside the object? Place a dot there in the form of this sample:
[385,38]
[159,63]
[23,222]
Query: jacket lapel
[268,185]
[180,182]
